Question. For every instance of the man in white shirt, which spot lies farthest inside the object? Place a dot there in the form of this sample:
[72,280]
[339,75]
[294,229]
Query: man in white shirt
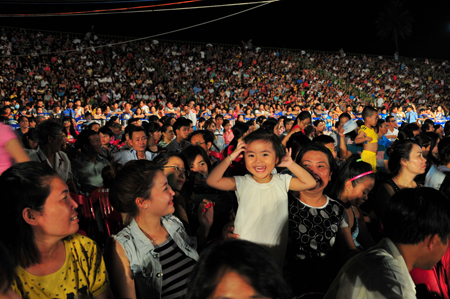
[416,225]
[392,132]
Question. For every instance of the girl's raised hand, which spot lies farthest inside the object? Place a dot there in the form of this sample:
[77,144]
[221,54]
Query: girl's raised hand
[287,160]
[238,150]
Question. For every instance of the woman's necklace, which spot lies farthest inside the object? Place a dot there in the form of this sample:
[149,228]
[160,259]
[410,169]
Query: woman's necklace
[141,158]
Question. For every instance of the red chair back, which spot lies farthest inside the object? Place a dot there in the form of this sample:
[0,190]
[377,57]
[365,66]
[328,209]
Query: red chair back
[82,201]
[112,218]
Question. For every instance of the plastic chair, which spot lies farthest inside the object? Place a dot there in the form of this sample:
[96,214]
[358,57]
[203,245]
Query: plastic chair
[82,201]
[84,210]
[111,217]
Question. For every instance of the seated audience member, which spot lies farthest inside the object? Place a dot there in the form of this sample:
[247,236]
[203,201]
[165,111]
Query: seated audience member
[51,139]
[313,247]
[153,251]
[29,140]
[236,269]
[167,136]
[138,141]
[352,187]
[416,225]
[87,167]
[181,129]
[53,261]
[154,135]
[109,150]
[205,139]
[405,163]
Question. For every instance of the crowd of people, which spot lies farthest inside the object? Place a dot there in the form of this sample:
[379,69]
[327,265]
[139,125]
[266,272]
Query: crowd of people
[195,144]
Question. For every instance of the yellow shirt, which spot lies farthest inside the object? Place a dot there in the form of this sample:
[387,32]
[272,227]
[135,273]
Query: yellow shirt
[83,273]
[370,133]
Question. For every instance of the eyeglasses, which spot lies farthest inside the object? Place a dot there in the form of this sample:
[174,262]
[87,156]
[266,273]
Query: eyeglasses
[182,170]
[199,143]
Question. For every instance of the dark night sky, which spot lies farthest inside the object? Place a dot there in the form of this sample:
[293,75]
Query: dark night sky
[314,25]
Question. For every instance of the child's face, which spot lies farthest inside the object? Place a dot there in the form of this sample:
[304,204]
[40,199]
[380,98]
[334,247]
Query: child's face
[372,120]
[260,160]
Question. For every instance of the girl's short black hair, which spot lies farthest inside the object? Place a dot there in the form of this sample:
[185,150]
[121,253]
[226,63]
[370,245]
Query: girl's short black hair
[269,137]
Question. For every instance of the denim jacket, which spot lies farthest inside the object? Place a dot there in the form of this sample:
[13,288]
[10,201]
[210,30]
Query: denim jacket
[144,261]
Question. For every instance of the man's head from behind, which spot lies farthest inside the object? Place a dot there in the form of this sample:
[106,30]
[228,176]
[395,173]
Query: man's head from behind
[419,216]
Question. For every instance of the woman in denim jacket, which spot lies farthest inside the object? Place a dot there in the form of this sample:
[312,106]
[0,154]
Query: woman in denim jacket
[153,256]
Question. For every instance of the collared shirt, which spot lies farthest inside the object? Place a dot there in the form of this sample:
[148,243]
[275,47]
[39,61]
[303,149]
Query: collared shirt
[175,147]
[411,117]
[87,174]
[129,155]
[62,163]
[144,260]
[380,272]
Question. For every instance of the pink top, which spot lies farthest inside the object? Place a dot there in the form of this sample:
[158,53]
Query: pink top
[6,134]
[227,137]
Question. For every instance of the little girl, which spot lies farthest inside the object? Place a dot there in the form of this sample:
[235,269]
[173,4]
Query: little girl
[262,216]
[352,188]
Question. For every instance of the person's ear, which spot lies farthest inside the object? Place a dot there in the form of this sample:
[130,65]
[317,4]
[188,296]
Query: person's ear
[208,145]
[29,216]
[348,186]
[141,203]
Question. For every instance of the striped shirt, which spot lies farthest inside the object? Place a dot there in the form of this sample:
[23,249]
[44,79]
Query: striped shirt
[176,268]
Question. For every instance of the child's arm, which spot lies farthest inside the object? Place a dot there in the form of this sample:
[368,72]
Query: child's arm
[361,138]
[303,180]
[216,179]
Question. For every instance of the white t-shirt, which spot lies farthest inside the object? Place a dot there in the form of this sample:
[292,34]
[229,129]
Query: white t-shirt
[395,132]
[262,216]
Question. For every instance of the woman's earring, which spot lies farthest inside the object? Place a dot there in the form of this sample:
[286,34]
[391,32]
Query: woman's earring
[146,206]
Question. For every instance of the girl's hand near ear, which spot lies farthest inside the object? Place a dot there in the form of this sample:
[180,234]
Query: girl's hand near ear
[287,160]
[237,152]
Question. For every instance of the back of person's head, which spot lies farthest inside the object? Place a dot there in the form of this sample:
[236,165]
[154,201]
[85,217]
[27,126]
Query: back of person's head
[48,128]
[423,140]
[344,115]
[398,151]
[405,134]
[269,125]
[425,127]
[412,127]
[83,140]
[250,261]
[309,130]
[296,142]
[354,170]
[24,185]
[153,119]
[265,136]
[412,215]
[444,150]
[302,116]
[447,128]
[181,122]
[323,139]
[368,112]
[239,129]
[130,181]
[106,131]
[29,138]
[151,127]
